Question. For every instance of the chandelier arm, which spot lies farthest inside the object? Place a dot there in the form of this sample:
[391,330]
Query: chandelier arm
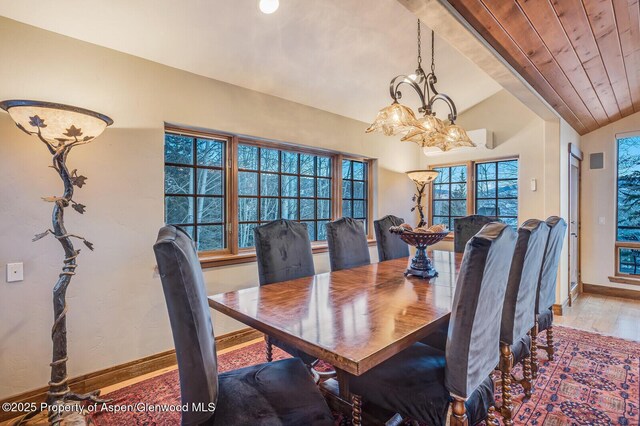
[394,90]
[453,115]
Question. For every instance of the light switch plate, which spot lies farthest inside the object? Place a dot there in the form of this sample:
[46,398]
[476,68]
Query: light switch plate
[15,272]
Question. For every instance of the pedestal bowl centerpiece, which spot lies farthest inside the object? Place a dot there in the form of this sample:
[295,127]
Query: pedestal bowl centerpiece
[420,238]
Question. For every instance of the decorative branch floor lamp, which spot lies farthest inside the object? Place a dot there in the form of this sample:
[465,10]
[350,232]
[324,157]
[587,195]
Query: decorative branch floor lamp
[60,128]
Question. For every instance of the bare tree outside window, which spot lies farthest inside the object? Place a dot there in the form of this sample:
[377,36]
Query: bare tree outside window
[275,183]
[354,190]
[449,195]
[195,189]
[497,190]
[628,202]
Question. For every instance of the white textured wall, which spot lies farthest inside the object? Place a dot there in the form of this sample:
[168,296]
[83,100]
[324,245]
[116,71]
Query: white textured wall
[116,307]
[599,200]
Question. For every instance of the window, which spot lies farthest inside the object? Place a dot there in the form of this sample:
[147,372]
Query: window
[194,187]
[628,196]
[354,190]
[449,195]
[219,187]
[488,188]
[497,190]
[275,184]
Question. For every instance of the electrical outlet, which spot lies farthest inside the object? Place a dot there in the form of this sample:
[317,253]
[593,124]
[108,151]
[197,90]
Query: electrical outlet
[15,272]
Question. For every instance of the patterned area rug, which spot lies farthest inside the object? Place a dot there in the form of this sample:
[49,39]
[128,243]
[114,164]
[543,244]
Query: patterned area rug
[593,380]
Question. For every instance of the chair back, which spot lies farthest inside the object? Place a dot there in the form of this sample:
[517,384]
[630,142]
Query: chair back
[186,298]
[347,243]
[549,273]
[466,227]
[474,328]
[283,251]
[390,246]
[518,313]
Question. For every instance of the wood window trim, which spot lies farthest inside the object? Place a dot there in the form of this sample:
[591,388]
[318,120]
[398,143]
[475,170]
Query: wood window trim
[621,277]
[233,254]
[208,260]
[471,188]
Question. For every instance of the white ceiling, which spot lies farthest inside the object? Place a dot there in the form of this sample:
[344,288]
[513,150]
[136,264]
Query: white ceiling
[336,55]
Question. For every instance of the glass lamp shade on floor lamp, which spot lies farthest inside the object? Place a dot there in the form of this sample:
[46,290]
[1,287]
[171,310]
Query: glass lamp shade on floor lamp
[421,178]
[60,128]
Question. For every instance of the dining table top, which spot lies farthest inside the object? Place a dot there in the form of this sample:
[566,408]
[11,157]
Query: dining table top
[353,319]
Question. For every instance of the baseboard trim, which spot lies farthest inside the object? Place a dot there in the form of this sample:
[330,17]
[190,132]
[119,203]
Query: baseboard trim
[575,293]
[129,370]
[611,291]
[558,308]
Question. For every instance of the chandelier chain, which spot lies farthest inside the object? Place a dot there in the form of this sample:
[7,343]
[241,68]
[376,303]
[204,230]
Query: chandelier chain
[419,46]
[433,50]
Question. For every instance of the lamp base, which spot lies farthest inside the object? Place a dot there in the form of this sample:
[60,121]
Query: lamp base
[426,274]
[421,265]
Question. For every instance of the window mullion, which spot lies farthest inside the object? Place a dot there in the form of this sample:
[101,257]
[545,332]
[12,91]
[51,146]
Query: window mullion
[337,187]
[234,200]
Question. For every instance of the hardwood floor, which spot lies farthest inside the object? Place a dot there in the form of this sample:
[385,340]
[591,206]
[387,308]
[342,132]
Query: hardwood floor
[613,316]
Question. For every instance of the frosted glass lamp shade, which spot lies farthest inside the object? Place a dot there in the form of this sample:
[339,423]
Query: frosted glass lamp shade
[456,137]
[430,132]
[394,120]
[56,123]
[421,177]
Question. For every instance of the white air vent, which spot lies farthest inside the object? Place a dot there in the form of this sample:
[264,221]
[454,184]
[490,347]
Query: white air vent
[483,139]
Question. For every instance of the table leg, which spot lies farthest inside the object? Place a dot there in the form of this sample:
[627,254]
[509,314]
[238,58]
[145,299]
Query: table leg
[344,379]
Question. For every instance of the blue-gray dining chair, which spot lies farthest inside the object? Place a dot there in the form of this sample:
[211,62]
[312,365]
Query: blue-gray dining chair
[422,382]
[347,243]
[390,246]
[278,393]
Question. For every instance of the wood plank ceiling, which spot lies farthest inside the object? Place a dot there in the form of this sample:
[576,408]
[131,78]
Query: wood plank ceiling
[581,56]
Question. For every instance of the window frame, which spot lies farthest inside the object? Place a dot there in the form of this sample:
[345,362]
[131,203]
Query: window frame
[471,184]
[470,189]
[352,199]
[497,180]
[621,245]
[232,253]
[195,167]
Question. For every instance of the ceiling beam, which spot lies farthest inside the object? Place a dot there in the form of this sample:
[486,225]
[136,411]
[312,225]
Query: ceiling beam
[452,28]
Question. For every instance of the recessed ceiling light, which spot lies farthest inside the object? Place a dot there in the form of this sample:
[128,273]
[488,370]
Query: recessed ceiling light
[269,6]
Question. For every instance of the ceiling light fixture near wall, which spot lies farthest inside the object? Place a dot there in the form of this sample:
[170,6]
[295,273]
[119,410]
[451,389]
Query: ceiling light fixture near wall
[269,6]
[429,130]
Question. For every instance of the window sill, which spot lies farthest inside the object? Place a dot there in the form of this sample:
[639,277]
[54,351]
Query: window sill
[213,261]
[625,280]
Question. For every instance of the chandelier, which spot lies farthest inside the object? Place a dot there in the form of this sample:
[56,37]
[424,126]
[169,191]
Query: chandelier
[428,130]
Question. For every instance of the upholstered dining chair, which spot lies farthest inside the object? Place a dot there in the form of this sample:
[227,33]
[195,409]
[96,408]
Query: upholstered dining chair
[421,382]
[390,246]
[347,243]
[283,252]
[281,392]
[546,295]
[518,313]
[466,227]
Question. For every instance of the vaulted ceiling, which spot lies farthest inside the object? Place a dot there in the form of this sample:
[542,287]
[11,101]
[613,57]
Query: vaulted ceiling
[581,56]
[336,55]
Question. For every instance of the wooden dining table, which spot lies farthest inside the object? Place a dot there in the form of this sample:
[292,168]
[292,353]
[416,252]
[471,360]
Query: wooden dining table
[353,319]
